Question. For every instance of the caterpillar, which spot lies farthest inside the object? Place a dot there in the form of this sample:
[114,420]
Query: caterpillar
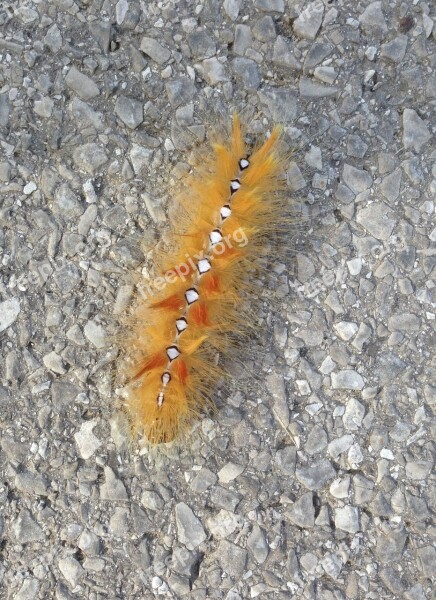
[196,306]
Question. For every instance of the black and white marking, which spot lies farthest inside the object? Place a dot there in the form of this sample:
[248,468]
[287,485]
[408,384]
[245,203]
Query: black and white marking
[225,212]
[191,296]
[243,164]
[181,324]
[166,378]
[235,184]
[215,236]
[173,352]
[203,266]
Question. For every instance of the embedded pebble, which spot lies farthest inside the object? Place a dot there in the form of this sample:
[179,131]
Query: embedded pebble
[155,50]
[309,21]
[347,380]
[130,111]
[190,531]
[80,83]
[86,441]
[9,311]
[415,132]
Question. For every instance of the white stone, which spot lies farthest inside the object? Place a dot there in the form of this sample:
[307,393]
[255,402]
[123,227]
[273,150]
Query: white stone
[29,188]
[86,441]
[229,472]
[346,330]
[9,311]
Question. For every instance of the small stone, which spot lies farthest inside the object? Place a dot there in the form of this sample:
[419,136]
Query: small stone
[154,50]
[395,50]
[44,107]
[357,180]
[347,379]
[276,387]
[309,562]
[86,441]
[281,102]
[353,415]
[373,20]
[391,184]
[203,480]
[356,146]
[224,498]
[190,531]
[270,5]
[26,14]
[224,523]
[95,333]
[232,8]
[427,557]
[180,91]
[312,90]
[229,472]
[315,476]
[5,171]
[407,322]
[302,512]
[347,519]
[316,440]
[419,469]
[53,39]
[286,459]
[355,266]
[340,445]
[54,363]
[9,311]
[390,546]
[28,590]
[340,488]
[152,500]
[130,111]
[31,483]
[67,204]
[325,74]
[247,71]
[257,544]
[89,543]
[378,219]
[346,330]
[71,569]
[243,39]
[355,456]
[232,558]
[26,530]
[332,564]
[415,132]
[83,85]
[314,158]
[309,21]
[213,71]
[282,54]
[112,488]
[141,158]
[202,46]
[264,29]
[90,157]
[363,489]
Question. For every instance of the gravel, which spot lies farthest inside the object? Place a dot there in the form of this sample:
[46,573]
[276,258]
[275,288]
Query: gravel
[315,476]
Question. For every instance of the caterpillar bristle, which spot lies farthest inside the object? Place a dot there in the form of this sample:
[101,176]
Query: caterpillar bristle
[198,302]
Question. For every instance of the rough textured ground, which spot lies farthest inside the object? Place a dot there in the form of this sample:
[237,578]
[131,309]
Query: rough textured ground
[316,480]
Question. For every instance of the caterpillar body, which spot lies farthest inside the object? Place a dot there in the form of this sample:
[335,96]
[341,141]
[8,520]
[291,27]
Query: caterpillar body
[223,216]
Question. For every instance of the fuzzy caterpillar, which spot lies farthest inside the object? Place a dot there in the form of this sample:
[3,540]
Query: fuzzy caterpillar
[221,220]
